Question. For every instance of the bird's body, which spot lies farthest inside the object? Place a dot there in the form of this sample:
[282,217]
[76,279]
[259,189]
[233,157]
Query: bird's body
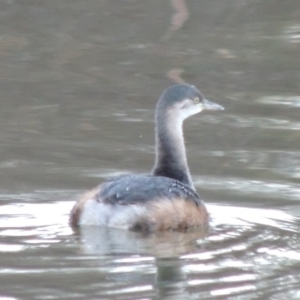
[163,200]
[142,202]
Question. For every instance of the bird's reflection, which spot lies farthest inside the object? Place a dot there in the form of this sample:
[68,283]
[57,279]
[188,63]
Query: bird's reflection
[107,241]
[165,248]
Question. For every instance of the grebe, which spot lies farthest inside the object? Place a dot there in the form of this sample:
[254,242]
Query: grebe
[166,199]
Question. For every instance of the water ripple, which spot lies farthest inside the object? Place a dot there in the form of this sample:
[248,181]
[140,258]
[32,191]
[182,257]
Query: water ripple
[261,122]
[241,254]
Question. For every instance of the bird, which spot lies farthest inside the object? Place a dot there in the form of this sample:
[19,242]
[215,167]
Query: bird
[165,198]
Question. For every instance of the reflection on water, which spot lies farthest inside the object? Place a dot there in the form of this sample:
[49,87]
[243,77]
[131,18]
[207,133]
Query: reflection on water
[163,244]
[292,33]
[240,255]
[281,100]
[79,83]
[252,121]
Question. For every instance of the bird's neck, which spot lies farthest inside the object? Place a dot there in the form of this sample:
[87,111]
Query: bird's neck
[170,160]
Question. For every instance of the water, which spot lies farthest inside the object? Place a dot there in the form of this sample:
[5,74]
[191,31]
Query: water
[79,82]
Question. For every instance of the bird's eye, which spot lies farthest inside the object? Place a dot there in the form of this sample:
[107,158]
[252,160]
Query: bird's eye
[196,100]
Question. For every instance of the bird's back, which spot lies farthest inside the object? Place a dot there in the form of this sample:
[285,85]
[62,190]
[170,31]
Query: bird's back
[140,188]
[143,202]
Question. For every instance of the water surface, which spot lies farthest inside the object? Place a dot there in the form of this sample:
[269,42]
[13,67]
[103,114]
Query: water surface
[79,82]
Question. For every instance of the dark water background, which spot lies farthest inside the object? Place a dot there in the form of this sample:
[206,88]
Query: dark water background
[79,82]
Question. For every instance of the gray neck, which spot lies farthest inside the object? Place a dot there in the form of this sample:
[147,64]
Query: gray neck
[170,160]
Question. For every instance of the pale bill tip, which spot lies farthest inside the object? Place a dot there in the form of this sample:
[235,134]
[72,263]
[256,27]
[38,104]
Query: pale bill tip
[209,105]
